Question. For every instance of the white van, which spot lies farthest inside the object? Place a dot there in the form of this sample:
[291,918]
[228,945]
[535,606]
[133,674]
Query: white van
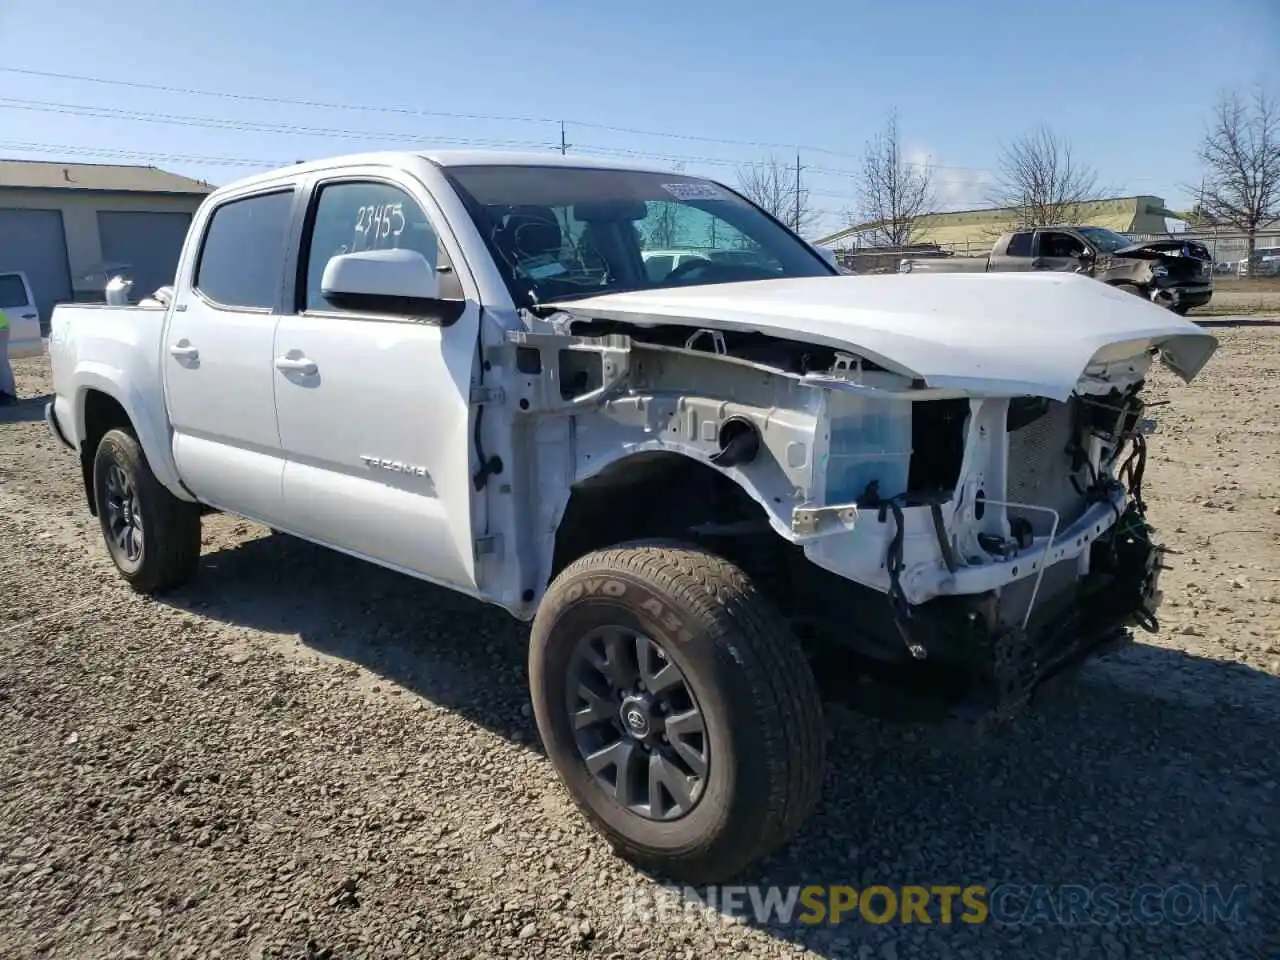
[19,306]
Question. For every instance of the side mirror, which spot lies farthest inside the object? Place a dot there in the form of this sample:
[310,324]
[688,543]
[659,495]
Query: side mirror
[380,275]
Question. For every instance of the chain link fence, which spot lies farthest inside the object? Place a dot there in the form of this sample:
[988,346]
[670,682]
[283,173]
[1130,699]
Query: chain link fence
[1227,249]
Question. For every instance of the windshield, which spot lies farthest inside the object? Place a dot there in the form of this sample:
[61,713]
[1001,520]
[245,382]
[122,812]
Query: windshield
[563,232]
[1104,241]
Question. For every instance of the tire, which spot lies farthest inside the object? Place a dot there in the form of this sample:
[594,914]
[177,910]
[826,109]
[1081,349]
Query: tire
[166,551]
[745,676]
[1180,310]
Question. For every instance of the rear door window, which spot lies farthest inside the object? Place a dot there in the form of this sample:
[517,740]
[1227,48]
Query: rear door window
[1020,245]
[242,258]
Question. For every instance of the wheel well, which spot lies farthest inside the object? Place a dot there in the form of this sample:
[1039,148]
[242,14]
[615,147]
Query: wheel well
[670,496]
[102,412]
[655,494]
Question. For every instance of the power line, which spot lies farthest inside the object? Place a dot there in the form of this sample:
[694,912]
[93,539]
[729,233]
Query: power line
[83,150]
[418,112]
[149,156]
[254,126]
[261,98]
[291,129]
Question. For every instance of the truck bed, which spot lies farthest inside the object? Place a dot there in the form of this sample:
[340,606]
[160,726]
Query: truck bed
[944,265]
[100,329]
[123,342]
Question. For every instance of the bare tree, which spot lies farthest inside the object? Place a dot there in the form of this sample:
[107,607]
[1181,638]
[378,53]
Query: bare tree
[1041,180]
[1241,156]
[893,192]
[664,229]
[778,189]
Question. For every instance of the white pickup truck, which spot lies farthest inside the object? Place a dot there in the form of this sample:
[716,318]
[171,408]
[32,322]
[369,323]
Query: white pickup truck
[458,366]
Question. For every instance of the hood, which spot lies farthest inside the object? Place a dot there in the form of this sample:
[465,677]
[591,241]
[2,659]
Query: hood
[1155,249]
[997,334]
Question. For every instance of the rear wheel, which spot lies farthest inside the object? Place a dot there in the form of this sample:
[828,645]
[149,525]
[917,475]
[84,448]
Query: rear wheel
[152,536]
[677,708]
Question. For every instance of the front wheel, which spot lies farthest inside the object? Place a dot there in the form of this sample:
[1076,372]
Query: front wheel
[152,536]
[677,707]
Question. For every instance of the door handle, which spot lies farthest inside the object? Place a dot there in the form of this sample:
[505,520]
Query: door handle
[1039,264]
[28,316]
[297,365]
[183,351]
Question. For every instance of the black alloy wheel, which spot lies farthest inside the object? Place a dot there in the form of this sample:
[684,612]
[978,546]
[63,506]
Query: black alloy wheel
[637,723]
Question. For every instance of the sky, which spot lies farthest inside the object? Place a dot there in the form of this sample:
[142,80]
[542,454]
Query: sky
[710,84]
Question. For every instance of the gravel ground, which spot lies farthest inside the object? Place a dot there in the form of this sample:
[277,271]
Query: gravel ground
[303,756]
[1259,295]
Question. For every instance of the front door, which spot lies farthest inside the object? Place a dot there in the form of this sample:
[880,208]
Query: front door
[1058,251]
[217,359]
[374,409]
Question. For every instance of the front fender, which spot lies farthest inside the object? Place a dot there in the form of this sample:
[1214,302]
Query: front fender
[594,452]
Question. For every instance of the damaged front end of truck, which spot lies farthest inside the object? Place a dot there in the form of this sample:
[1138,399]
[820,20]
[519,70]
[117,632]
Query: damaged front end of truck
[955,501]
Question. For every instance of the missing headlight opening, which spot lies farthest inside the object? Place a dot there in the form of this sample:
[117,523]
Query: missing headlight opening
[937,443]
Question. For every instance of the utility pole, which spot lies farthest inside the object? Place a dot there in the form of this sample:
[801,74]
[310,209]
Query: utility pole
[796,225]
[564,147]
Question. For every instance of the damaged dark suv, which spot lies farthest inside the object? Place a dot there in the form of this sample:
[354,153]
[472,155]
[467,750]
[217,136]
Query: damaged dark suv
[1177,274]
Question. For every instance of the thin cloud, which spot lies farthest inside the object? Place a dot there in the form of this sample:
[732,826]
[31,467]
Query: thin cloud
[956,188]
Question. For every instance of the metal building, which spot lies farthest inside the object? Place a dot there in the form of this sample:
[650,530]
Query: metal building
[66,225]
[973,231]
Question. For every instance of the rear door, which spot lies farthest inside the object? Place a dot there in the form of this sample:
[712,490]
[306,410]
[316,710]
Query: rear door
[217,359]
[19,307]
[1016,257]
[374,408]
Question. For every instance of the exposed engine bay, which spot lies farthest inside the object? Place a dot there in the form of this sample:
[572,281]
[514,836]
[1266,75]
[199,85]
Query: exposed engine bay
[916,524]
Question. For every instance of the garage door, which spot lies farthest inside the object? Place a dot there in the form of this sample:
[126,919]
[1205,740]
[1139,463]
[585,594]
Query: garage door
[148,242]
[32,241]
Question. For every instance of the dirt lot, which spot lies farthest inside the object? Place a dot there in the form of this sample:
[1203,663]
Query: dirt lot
[1249,296]
[303,756]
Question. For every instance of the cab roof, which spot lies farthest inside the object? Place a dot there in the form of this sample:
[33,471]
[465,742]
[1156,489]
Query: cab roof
[513,158]
[446,159]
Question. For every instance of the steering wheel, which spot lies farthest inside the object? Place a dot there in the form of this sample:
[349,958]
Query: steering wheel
[688,267]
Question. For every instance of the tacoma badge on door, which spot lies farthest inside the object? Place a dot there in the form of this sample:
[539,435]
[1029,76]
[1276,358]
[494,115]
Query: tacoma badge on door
[395,466]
